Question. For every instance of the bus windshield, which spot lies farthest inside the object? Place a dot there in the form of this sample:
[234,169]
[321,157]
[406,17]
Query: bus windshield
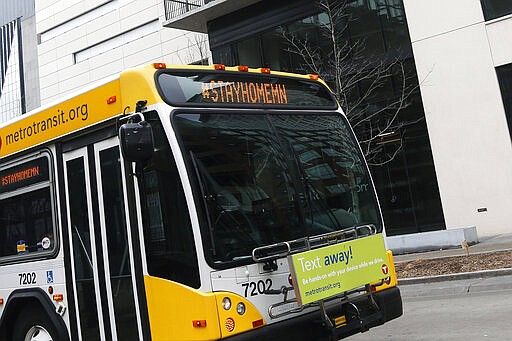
[268,178]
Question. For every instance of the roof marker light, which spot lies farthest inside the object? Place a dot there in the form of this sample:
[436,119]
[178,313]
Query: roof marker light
[313,76]
[265,70]
[243,68]
[220,67]
[159,65]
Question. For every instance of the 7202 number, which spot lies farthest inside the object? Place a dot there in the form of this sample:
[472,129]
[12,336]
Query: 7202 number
[27,278]
[257,288]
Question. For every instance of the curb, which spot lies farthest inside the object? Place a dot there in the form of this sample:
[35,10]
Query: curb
[459,253]
[455,277]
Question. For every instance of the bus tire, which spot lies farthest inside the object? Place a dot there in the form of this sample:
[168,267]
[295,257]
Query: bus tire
[34,324]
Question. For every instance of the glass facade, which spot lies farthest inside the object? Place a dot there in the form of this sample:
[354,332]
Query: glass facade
[496,8]
[11,71]
[505,80]
[370,31]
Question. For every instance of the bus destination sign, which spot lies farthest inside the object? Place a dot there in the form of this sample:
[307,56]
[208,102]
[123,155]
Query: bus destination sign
[244,92]
[25,174]
[208,88]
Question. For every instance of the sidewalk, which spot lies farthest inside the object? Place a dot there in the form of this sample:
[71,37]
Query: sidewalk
[486,244]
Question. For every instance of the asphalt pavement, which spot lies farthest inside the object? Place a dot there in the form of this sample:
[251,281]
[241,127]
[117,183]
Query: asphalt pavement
[484,279]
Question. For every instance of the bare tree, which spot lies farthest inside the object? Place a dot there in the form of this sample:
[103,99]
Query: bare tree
[197,51]
[347,70]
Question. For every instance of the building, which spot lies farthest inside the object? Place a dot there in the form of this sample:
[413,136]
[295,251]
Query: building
[454,170]
[463,50]
[81,42]
[19,85]
[256,35]
[455,151]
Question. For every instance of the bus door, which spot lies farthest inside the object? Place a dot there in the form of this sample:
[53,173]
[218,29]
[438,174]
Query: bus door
[106,302]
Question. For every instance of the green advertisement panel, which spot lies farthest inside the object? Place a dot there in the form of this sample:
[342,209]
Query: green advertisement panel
[331,270]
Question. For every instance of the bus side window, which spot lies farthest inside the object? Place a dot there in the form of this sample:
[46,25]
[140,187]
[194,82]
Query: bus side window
[26,223]
[170,248]
[26,208]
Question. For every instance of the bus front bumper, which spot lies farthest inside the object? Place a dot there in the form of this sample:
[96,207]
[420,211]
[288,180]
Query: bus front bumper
[311,326]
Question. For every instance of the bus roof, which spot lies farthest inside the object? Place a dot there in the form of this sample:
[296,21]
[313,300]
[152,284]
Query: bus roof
[98,102]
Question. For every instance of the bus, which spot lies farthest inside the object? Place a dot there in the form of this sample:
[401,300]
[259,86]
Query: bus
[190,203]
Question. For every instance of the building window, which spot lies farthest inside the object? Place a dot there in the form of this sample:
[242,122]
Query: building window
[505,79]
[12,92]
[496,8]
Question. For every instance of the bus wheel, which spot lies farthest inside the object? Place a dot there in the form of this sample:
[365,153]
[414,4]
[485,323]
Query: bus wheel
[34,325]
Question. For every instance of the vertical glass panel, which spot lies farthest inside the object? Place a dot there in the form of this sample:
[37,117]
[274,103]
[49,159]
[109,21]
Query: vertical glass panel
[274,51]
[224,55]
[392,17]
[365,28]
[83,259]
[249,52]
[505,79]
[117,245]
[170,248]
[496,8]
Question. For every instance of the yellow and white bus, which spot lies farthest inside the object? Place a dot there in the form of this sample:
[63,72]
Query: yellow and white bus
[190,203]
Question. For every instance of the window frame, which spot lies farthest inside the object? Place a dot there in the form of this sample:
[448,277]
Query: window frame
[50,185]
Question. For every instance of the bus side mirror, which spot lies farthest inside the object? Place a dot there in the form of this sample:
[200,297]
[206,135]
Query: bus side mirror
[136,141]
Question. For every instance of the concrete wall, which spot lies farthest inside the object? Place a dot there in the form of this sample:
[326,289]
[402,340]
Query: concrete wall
[456,53]
[83,41]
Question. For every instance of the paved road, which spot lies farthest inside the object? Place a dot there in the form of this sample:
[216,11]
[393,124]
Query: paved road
[477,309]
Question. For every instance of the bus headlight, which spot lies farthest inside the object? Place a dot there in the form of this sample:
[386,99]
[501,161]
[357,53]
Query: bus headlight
[226,303]
[240,308]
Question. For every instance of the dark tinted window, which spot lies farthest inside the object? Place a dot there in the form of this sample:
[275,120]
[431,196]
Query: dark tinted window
[265,179]
[82,254]
[496,8]
[26,210]
[170,248]
[505,79]
[117,242]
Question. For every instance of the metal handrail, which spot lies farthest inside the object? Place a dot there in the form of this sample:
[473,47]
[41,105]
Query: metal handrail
[279,250]
[175,8]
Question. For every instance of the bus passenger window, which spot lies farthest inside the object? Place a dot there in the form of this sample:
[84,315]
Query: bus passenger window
[26,210]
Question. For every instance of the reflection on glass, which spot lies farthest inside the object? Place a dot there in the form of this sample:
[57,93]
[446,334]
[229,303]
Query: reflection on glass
[83,258]
[267,179]
[117,243]
[170,248]
[26,220]
[496,8]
